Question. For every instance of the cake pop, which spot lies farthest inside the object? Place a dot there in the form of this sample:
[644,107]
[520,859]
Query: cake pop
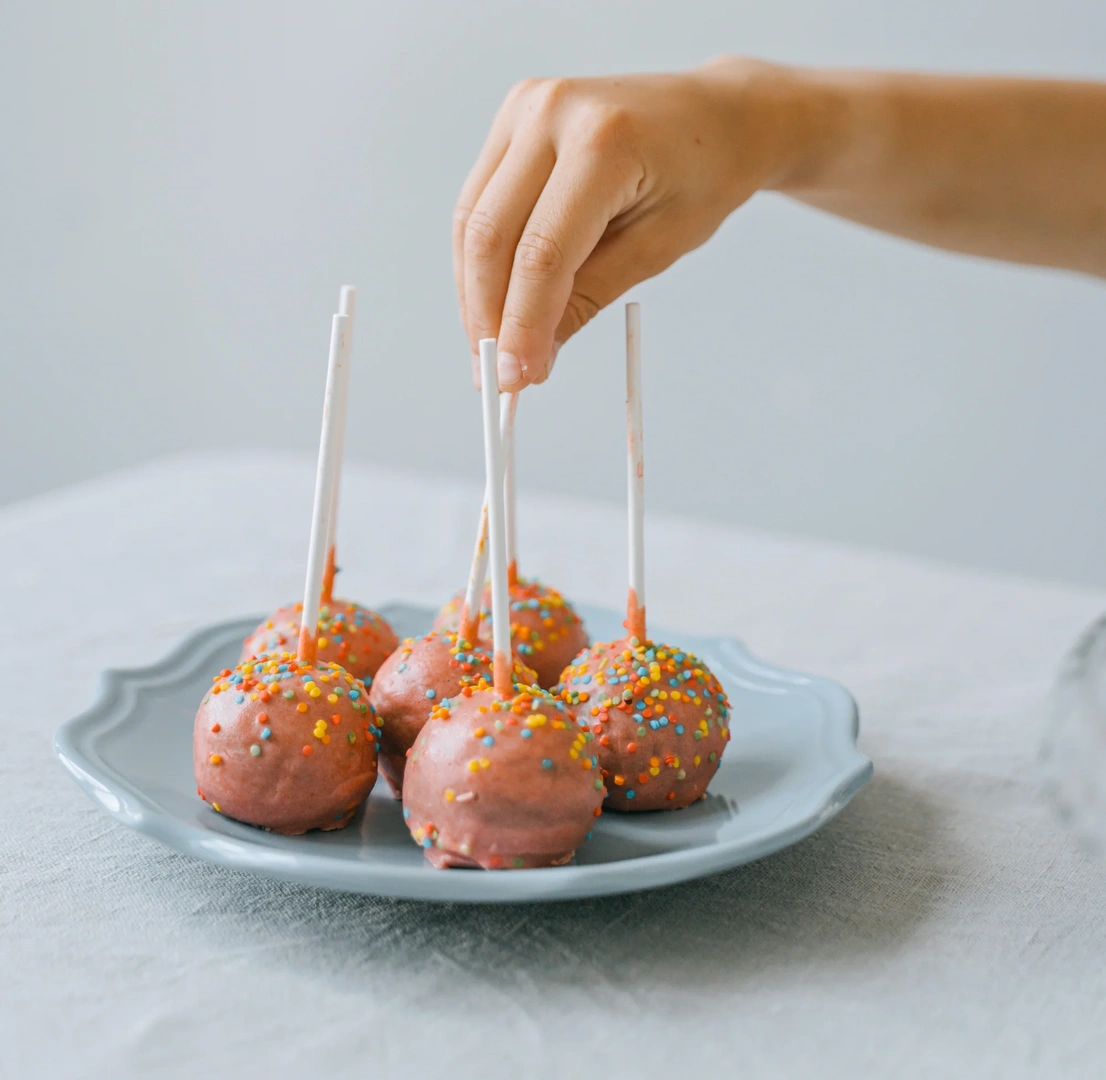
[545,631]
[500,777]
[423,676]
[348,633]
[501,782]
[287,742]
[660,718]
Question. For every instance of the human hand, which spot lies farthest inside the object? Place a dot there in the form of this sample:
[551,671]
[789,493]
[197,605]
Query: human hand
[586,187]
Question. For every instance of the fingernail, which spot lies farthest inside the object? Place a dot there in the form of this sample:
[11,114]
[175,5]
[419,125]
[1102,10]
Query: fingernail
[476,371]
[509,371]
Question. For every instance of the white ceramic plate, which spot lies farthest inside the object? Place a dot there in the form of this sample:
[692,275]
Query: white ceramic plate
[792,765]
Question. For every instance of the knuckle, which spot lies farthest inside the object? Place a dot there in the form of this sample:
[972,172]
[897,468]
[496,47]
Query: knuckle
[517,324]
[538,254]
[460,219]
[483,237]
[579,311]
[549,95]
[605,128]
[522,89]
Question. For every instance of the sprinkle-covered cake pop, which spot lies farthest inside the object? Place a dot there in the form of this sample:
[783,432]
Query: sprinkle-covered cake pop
[659,717]
[501,782]
[285,744]
[349,634]
[422,675]
[545,631]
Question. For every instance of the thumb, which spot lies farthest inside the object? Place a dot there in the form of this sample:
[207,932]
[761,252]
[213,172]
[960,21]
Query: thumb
[617,264]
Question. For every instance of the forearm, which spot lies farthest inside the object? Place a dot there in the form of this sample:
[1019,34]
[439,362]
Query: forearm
[1012,169]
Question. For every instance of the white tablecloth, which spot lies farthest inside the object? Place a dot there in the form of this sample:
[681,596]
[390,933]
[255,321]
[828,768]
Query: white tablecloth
[944,926]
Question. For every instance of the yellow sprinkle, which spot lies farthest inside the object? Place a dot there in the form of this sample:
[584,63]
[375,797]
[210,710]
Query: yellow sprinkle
[449,796]
[332,698]
[535,720]
[215,807]
[697,759]
[484,763]
[315,692]
[474,765]
[574,754]
[322,643]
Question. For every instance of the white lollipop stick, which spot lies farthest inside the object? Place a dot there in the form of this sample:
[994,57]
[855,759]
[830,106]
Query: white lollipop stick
[493,466]
[330,455]
[507,415]
[347,306]
[469,623]
[635,475]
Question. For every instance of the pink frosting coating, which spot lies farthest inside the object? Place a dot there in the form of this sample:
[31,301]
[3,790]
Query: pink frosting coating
[659,717]
[545,630]
[502,784]
[289,750]
[421,675]
[350,635]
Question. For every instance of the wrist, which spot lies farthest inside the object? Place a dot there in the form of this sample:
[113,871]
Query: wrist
[795,126]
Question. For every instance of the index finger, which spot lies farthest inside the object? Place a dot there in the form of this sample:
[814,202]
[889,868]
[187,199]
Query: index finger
[584,192]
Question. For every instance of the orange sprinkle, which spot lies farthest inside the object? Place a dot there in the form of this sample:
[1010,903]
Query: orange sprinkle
[631,747]
[216,727]
[301,707]
[307,751]
[215,759]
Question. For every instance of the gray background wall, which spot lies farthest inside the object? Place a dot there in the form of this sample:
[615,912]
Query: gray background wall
[183,187]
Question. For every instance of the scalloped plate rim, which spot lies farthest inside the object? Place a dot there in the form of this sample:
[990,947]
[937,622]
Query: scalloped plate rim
[119,797]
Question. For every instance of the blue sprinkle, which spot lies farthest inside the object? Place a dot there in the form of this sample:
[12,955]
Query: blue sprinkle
[402,667]
[406,813]
[431,693]
[526,733]
[238,700]
[679,729]
[654,724]
[354,693]
[266,733]
[547,763]
[629,793]
[488,740]
[427,842]
[640,706]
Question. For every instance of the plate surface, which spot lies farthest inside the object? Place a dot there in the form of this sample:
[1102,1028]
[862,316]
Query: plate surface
[791,765]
